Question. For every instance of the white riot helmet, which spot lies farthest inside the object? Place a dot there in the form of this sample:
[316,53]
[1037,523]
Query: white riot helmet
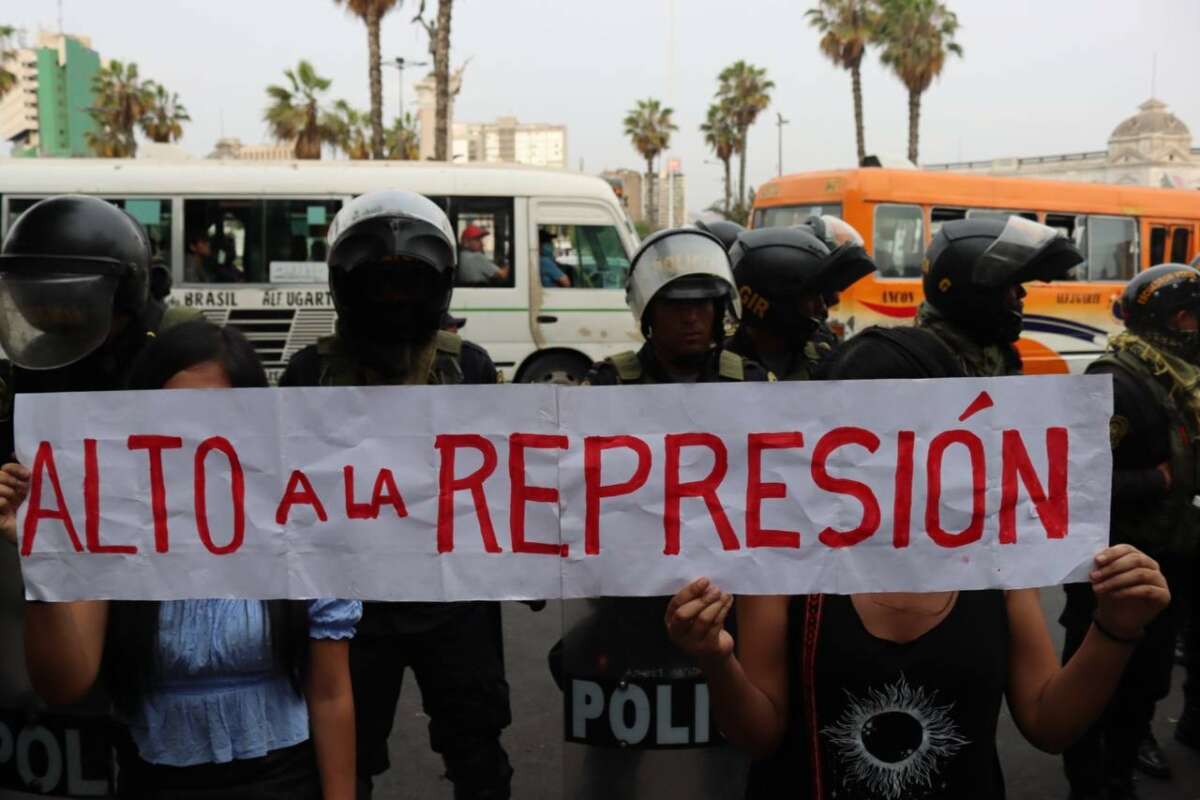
[392,258]
[681,264]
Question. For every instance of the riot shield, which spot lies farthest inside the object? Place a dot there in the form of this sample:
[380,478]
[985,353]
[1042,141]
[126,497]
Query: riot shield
[637,721]
[53,753]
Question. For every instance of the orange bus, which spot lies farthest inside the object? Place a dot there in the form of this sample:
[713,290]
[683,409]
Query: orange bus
[1119,229]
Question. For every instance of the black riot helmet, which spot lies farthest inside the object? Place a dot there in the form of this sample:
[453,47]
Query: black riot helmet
[392,258]
[681,264]
[67,265]
[725,230]
[1152,298]
[775,267]
[972,263]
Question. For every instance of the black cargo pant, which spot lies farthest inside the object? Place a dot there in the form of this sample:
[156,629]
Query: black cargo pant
[1107,752]
[458,661]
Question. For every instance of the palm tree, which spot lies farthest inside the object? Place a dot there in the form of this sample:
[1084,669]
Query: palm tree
[295,113]
[122,101]
[648,126]
[163,121]
[721,135]
[439,48]
[372,12]
[7,79]
[350,130]
[846,28]
[745,92]
[402,141]
[917,36]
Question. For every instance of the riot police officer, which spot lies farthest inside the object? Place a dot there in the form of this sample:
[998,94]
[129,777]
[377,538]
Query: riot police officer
[392,260]
[1155,369]
[784,276]
[972,278]
[681,291]
[73,294]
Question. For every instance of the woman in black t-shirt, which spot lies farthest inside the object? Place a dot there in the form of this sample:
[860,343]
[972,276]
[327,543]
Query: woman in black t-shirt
[897,695]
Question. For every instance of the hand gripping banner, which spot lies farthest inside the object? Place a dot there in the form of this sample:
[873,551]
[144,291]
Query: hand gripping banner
[522,492]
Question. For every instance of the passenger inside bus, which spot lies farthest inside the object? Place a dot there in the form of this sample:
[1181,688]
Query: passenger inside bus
[474,267]
[552,273]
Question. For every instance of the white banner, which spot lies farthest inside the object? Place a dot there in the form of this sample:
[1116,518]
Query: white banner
[523,492]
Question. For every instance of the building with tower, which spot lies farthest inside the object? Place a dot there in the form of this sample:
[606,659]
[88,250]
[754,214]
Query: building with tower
[1151,148]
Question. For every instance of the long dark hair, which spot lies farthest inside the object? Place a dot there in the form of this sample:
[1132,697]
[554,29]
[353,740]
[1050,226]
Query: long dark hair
[131,648]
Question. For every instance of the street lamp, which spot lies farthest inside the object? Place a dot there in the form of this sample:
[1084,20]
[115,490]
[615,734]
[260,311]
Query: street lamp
[401,63]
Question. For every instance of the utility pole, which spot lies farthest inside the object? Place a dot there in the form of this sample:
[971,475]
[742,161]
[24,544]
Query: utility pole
[779,123]
[401,63]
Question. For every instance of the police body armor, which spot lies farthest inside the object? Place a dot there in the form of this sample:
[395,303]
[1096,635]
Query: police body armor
[637,717]
[1169,527]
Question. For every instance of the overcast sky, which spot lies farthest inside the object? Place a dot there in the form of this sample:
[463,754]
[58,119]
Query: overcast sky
[1038,77]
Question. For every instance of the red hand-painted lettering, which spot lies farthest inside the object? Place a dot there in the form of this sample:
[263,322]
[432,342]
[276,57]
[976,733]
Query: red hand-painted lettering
[523,493]
[448,445]
[705,488]
[595,490]
[237,482]
[757,491]
[43,467]
[840,437]
[154,445]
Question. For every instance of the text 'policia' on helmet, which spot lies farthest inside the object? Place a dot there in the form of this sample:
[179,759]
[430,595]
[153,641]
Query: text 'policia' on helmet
[972,263]
[776,267]
[392,258]
[681,264]
[67,265]
[1153,297]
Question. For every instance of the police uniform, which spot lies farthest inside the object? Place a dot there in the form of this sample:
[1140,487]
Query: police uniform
[615,650]
[968,275]
[777,270]
[455,650]
[1153,423]
[107,255]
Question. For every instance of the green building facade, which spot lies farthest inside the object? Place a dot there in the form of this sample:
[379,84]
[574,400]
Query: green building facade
[64,95]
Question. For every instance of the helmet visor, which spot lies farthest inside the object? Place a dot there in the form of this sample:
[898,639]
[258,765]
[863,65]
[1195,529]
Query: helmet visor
[673,257]
[1025,251]
[838,232]
[53,320]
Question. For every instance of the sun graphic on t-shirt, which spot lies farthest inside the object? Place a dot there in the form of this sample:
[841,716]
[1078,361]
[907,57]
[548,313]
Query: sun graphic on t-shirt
[893,740]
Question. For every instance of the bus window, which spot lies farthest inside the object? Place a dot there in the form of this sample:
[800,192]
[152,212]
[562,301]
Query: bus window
[223,241]
[783,216]
[1110,244]
[1179,245]
[995,213]
[899,240]
[940,216]
[485,240]
[295,239]
[582,257]
[1158,245]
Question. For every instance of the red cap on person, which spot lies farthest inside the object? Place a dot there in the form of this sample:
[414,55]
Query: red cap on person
[474,232]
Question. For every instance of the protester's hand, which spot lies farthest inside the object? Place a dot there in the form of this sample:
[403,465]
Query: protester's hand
[695,620]
[1130,590]
[14,487]
[1165,469]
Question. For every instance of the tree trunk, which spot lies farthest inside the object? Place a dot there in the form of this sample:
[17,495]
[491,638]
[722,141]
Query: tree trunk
[651,196]
[856,83]
[441,71]
[728,183]
[375,79]
[914,124]
[742,136]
